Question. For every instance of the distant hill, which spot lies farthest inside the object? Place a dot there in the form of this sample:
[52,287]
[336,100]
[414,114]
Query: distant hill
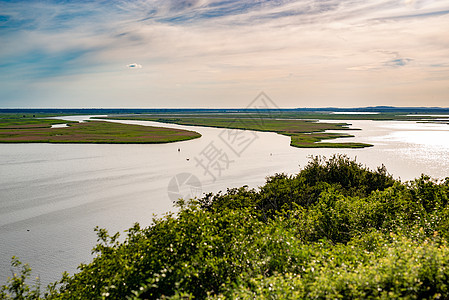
[380,109]
[104,111]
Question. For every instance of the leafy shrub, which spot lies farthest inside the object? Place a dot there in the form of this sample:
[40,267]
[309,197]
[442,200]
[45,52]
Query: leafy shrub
[335,230]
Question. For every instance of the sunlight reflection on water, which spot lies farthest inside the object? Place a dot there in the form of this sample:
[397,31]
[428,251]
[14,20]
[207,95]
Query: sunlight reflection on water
[60,192]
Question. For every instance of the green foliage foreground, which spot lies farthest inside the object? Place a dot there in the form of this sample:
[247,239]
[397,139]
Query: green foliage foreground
[335,230]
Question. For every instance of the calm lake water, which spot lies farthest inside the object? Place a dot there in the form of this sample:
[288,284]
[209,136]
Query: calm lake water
[53,195]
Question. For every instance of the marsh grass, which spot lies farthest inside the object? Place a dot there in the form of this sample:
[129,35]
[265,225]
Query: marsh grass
[303,133]
[17,130]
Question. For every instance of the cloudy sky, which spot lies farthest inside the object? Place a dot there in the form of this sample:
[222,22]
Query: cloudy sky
[222,53]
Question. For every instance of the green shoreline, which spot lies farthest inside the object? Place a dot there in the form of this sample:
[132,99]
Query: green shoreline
[92,132]
[302,127]
[302,133]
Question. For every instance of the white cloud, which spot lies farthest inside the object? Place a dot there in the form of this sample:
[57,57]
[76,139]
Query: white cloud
[214,49]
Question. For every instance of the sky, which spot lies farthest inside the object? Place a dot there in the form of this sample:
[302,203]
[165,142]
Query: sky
[223,53]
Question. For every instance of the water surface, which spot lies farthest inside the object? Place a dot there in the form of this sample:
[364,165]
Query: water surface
[53,195]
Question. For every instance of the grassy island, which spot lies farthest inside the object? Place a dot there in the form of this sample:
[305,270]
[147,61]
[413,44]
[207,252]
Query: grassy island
[336,230]
[17,130]
[303,133]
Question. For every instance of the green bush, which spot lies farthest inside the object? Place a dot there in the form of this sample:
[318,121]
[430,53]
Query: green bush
[335,230]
